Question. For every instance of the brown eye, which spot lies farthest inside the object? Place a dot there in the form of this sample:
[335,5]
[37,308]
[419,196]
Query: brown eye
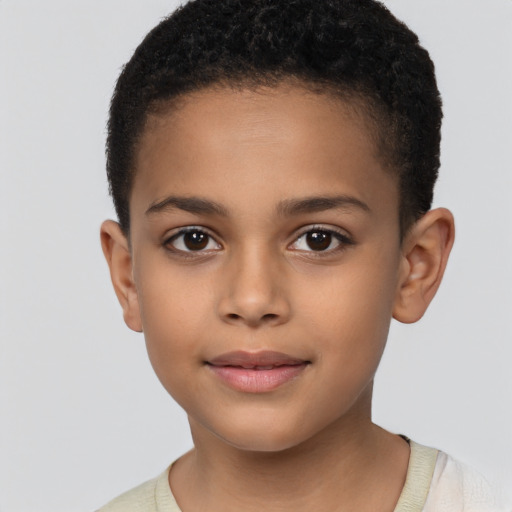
[319,240]
[192,240]
[195,240]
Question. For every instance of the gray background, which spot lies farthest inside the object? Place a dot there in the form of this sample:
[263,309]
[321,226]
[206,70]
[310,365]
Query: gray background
[82,417]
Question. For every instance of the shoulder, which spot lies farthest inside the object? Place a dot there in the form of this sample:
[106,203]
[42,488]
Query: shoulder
[151,496]
[139,499]
[456,487]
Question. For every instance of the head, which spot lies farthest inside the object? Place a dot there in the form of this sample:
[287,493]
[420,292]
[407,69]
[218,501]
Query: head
[272,166]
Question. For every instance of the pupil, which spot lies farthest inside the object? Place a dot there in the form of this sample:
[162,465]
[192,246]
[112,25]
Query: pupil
[195,240]
[318,240]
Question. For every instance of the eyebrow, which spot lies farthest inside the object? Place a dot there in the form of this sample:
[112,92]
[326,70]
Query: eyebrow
[195,205]
[318,204]
[287,208]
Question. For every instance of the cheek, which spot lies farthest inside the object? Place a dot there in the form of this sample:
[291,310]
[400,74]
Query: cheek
[350,299]
[170,297]
[349,312]
[175,312]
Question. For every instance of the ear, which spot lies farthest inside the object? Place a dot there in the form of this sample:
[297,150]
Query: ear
[425,254]
[117,253]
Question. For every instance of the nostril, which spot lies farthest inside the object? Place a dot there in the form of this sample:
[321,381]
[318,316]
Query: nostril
[269,317]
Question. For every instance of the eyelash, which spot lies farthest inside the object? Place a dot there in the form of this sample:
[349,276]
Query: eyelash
[189,253]
[343,240]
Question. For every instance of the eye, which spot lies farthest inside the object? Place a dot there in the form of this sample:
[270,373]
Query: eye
[321,240]
[192,239]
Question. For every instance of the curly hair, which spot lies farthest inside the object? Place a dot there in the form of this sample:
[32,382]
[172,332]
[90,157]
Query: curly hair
[350,48]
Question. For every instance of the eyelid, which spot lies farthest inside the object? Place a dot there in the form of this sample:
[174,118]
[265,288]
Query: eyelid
[177,232]
[323,227]
[343,237]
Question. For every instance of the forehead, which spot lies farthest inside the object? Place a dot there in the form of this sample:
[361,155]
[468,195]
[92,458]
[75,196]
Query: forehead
[259,145]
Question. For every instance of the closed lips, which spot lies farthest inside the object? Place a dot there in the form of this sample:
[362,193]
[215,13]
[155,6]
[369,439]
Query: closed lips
[265,360]
[256,372]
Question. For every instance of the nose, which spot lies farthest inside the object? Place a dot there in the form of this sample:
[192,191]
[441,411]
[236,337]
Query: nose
[253,290]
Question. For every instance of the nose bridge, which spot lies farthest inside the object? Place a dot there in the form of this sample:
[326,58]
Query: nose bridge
[253,292]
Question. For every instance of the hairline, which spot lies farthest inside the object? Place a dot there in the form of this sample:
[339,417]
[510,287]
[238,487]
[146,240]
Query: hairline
[359,104]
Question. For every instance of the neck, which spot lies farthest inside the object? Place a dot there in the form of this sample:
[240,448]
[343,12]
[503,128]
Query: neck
[332,470]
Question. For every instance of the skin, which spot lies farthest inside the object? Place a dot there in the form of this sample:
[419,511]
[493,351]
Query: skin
[259,284]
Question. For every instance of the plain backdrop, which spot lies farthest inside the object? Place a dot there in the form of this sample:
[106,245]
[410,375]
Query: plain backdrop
[82,416]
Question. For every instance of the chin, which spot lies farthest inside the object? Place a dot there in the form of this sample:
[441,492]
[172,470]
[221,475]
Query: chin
[263,438]
[262,444]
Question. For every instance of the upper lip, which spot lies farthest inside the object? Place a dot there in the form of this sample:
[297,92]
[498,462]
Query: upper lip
[255,359]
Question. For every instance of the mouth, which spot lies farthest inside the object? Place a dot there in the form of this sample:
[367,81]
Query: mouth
[257,372]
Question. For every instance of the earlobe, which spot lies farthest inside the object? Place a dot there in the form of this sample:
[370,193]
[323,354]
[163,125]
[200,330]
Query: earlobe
[425,254]
[117,253]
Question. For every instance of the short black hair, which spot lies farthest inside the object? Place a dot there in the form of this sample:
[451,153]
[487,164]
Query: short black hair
[352,48]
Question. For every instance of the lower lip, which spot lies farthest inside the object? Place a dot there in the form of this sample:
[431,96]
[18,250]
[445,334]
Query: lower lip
[257,381]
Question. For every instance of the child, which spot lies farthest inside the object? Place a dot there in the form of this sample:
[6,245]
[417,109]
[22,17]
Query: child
[272,164]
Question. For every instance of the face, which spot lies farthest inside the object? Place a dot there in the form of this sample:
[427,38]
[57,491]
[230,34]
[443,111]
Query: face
[266,259]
